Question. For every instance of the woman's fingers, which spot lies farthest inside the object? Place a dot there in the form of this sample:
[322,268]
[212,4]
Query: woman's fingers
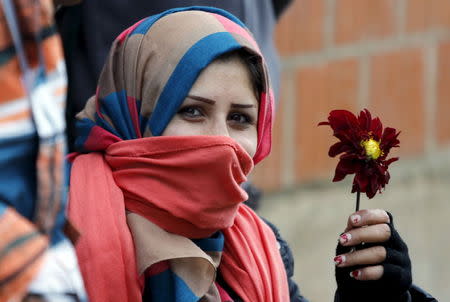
[371,233]
[368,273]
[367,217]
[368,256]
[365,226]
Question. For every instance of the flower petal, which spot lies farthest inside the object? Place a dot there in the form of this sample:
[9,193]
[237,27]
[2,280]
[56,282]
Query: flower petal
[338,148]
[376,185]
[371,193]
[376,127]
[345,167]
[387,177]
[389,139]
[342,120]
[361,181]
[364,119]
[390,161]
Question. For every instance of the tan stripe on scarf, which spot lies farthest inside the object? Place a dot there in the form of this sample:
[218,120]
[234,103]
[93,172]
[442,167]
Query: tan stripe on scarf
[186,259]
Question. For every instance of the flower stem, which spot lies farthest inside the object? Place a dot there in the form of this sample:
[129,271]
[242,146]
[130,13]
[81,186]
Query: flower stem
[358,194]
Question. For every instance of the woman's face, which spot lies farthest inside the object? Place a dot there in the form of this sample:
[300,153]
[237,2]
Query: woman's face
[221,102]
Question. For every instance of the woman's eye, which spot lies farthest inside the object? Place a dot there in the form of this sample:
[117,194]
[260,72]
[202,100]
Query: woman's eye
[190,112]
[240,118]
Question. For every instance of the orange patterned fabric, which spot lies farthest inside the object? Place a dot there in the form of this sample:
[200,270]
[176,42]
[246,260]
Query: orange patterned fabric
[21,250]
[37,108]
[31,138]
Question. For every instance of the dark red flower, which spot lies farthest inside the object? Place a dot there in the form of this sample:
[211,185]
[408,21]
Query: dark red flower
[365,147]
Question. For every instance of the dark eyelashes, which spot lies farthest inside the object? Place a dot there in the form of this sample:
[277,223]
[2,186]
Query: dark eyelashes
[196,112]
[189,110]
[248,118]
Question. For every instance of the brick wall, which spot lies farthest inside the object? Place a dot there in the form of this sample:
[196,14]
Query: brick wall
[390,56]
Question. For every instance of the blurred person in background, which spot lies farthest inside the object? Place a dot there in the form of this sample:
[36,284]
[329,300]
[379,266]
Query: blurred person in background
[37,262]
[163,147]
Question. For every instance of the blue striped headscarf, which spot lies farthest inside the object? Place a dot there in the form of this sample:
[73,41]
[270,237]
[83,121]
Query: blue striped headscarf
[150,70]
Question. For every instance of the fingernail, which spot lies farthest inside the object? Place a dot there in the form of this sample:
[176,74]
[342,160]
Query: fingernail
[344,238]
[339,259]
[355,218]
[355,274]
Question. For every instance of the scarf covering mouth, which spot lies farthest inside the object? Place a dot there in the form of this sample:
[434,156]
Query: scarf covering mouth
[150,70]
[163,179]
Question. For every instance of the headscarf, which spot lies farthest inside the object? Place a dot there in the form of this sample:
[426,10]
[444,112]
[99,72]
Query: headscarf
[151,68]
[149,72]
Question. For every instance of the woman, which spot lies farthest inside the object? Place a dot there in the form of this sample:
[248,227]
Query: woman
[182,112]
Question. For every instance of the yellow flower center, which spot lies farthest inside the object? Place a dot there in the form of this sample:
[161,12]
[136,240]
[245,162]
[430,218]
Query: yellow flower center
[372,148]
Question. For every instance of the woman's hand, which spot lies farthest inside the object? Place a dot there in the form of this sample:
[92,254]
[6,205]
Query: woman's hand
[365,226]
[371,258]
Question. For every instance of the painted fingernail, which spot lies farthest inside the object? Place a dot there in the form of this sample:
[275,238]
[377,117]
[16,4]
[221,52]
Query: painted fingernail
[355,274]
[344,238]
[355,218]
[339,259]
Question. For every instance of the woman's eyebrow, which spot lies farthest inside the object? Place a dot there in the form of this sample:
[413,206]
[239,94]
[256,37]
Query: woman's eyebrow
[242,105]
[212,102]
[201,99]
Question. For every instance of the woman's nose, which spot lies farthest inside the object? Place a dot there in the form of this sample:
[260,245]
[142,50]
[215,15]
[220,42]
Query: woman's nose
[219,128]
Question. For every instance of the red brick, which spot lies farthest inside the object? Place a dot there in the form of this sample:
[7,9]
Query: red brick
[417,18]
[321,89]
[427,14]
[363,19]
[300,29]
[443,104]
[397,96]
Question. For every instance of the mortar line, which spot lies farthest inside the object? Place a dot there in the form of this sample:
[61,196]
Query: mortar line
[363,82]
[288,133]
[364,48]
[328,37]
[402,7]
[430,98]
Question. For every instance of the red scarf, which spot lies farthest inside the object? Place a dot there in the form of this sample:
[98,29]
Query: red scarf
[186,185]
